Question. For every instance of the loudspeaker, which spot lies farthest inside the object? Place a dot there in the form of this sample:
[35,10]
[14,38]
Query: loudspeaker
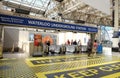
[80,21]
[60,14]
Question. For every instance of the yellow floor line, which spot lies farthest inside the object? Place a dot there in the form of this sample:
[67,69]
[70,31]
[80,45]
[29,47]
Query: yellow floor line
[115,75]
[8,59]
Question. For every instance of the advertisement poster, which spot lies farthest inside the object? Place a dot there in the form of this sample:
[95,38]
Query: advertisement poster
[51,38]
[47,40]
[37,39]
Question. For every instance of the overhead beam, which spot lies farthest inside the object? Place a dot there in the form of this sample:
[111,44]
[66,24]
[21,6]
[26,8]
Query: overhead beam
[89,18]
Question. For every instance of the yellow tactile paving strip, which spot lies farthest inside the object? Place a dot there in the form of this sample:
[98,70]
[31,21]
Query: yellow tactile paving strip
[71,65]
[56,60]
[69,60]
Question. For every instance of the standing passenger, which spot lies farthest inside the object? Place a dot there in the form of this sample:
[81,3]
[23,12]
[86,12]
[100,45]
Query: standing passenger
[68,42]
[80,45]
[89,47]
[75,42]
[95,45]
[72,42]
[79,42]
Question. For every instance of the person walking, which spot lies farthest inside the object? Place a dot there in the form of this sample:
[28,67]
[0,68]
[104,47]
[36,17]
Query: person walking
[94,50]
[89,47]
[68,42]
[72,42]
[79,46]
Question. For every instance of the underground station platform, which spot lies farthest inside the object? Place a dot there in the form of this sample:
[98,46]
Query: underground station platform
[63,66]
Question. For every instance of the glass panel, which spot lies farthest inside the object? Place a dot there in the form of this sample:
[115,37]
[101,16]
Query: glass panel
[106,35]
[51,5]
[38,4]
[45,2]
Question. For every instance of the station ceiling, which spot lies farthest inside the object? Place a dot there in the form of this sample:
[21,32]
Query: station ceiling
[78,11]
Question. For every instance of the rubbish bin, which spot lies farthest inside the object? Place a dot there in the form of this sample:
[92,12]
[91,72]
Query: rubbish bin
[99,49]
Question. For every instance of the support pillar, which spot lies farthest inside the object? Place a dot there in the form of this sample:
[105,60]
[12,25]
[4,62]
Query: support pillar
[115,40]
[98,35]
[1,42]
[1,35]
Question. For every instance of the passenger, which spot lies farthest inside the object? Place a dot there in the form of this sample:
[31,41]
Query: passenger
[68,42]
[94,50]
[89,47]
[46,50]
[77,49]
[75,42]
[119,46]
[62,49]
[48,42]
[71,42]
[79,42]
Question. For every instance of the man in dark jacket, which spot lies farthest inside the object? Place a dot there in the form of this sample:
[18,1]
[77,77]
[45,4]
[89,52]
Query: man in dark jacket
[89,47]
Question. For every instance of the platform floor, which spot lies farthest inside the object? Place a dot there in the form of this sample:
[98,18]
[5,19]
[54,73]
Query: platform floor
[19,65]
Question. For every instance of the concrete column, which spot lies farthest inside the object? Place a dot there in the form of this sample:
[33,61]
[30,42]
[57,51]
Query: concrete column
[116,17]
[116,25]
[98,35]
[1,42]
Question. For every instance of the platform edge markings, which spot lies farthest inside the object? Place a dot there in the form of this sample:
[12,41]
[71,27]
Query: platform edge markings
[30,64]
[115,75]
[42,74]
